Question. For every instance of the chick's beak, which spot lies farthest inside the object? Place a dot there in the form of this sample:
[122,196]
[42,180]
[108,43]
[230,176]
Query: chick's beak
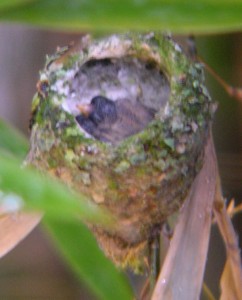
[85,109]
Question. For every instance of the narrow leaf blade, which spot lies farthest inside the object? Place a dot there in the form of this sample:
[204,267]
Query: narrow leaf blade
[182,273]
[80,249]
[181,16]
[46,194]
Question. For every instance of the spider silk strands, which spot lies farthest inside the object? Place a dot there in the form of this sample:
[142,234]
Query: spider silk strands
[182,274]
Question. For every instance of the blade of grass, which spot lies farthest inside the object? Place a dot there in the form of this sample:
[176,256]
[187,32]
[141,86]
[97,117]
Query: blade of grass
[179,16]
[80,249]
[45,194]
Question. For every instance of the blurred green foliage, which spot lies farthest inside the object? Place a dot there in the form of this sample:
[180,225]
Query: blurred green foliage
[181,16]
[79,247]
[12,141]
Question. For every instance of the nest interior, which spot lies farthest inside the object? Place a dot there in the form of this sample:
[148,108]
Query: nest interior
[138,90]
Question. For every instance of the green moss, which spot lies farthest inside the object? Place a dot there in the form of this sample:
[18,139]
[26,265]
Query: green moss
[170,142]
[136,159]
[85,178]
[122,167]
[69,155]
[52,162]
[112,184]
[160,164]
[35,102]
[73,131]
[73,59]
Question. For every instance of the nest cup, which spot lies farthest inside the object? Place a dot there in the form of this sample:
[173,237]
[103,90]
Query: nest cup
[140,173]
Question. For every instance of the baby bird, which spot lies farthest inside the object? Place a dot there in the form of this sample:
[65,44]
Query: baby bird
[113,121]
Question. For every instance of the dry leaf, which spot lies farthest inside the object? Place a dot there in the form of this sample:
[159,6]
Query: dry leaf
[182,273]
[227,283]
[231,280]
[14,228]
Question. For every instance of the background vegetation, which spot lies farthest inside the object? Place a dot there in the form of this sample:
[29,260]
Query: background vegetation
[22,52]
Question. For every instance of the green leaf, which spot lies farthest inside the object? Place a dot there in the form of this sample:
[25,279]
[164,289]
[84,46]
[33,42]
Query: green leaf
[45,194]
[82,252]
[12,141]
[8,4]
[181,16]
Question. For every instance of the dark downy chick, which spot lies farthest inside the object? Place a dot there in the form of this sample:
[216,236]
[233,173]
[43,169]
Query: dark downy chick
[113,121]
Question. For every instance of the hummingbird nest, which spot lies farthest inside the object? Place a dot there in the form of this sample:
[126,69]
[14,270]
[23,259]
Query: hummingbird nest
[123,120]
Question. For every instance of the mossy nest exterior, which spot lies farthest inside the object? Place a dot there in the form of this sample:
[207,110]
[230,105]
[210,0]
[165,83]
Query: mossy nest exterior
[144,177]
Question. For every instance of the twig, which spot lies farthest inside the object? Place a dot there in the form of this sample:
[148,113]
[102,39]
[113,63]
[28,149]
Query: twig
[231,282]
[232,210]
[234,92]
